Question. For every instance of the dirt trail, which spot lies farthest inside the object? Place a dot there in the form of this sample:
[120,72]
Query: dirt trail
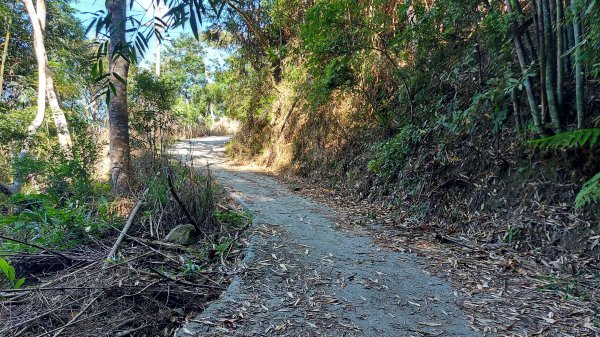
[302,277]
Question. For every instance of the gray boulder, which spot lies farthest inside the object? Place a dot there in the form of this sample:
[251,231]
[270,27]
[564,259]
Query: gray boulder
[184,235]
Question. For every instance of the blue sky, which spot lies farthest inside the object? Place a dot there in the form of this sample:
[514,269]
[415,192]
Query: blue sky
[140,9]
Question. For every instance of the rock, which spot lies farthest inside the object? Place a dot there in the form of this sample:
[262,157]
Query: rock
[184,235]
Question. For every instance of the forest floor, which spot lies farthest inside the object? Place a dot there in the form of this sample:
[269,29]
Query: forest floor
[306,274]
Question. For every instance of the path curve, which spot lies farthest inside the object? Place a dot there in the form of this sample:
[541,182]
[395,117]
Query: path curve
[302,277]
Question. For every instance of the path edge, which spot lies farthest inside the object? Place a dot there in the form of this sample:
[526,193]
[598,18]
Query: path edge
[194,326]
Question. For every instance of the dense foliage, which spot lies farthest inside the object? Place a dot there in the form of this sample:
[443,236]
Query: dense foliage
[416,74]
[57,197]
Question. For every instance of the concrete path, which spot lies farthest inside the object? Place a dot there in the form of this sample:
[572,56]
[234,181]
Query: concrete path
[302,277]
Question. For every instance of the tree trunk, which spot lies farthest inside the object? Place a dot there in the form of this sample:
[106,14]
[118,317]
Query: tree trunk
[120,155]
[4,54]
[523,64]
[559,52]
[541,56]
[38,23]
[60,121]
[40,6]
[579,99]
[40,55]
[519,10]
[515,106]
[566,46]
[549,67]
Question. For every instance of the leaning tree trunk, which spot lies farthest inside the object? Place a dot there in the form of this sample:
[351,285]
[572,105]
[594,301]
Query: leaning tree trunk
[60,120]
[120,155]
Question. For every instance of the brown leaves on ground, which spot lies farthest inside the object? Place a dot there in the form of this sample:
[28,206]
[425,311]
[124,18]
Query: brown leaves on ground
[508,288]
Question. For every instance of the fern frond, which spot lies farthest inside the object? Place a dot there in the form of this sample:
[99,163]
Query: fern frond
[590,192]
[569,139]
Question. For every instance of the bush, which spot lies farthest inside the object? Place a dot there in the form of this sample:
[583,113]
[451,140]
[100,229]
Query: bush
[49,221]
[390,156]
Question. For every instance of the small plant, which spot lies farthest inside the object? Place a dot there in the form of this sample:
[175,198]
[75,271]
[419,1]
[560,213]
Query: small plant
[233,218]
[569,288]
[9,275]
[191,268]
[513,234]
[222,247]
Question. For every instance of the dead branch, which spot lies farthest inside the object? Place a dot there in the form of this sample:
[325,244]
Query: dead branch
[2,333]
[447,239]
[171,278]
[113,251]
[74,319]
[130,331]
[181,204]
[38,247]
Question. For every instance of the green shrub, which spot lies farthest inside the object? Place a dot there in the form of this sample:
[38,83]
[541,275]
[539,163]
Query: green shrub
[590,192]
[390,156]
[569,139]
[49,221]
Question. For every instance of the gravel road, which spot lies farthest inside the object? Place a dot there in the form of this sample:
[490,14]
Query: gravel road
[303,277]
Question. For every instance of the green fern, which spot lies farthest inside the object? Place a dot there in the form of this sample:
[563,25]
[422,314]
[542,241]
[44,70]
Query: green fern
[590,192]
[569,139]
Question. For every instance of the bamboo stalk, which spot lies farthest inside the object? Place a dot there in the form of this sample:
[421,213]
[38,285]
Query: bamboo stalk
[579,103]
[549,69]
[526,83]
[559,58]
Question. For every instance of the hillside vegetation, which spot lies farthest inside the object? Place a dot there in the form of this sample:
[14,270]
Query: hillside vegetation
[471,114]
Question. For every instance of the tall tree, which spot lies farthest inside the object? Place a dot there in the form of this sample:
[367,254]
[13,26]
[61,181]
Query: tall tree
[37,15]
[40,55]
[120,153]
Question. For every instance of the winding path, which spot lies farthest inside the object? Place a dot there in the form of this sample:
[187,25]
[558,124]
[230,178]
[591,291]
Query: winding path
[302,277]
